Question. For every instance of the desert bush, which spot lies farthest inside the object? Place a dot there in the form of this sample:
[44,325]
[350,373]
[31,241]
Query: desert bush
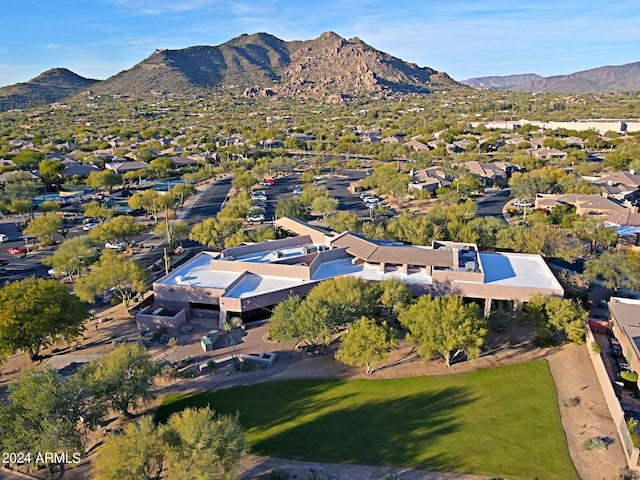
[593,443]
[279,473]
[315,475]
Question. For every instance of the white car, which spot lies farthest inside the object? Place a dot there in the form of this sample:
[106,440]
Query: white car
[3,238]
[259,196]
[259,218]
[88,226]
[522,203]
[118,246]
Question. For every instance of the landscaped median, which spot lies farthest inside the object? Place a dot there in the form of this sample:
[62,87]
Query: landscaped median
[497,422]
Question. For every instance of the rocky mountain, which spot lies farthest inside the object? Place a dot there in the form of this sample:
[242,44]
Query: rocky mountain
[619,78]
[507,82]
[261,64]
[48,87]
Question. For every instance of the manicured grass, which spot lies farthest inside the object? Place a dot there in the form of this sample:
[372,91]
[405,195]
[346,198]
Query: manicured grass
[496,422]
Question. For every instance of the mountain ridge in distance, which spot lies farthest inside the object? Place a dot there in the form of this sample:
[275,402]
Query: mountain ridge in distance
[612,78]
[50,86]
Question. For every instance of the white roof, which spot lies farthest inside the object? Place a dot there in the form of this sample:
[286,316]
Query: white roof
[517,270]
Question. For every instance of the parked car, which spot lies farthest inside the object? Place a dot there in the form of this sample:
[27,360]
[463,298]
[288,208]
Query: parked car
[624,366]
[522,204]
[88,226]
[255,218]
[3,237]
[17,250]
[118,246]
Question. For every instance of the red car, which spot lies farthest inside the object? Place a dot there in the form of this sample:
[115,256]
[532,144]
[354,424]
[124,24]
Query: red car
[17,250]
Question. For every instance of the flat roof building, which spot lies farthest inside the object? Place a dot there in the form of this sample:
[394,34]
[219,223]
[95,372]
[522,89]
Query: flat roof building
[249,278]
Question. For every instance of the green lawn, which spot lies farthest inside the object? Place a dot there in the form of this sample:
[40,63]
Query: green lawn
[496,422]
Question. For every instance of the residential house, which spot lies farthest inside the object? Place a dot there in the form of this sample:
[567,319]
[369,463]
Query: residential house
[417,146]
[73,168]
[625,313]
[619,185]
[490,172]
[124,167]
[547,153]
[592,206]
[429,179]
[393,139]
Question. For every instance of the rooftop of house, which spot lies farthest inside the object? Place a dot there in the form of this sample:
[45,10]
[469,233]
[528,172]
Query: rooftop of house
[626,312]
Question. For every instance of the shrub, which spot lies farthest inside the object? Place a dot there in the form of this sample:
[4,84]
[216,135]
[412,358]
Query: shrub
[279,473]
[632,423]
[626,474]
[391,476]
[236,322]
[595,346]
[212,365]
[169,372]
[315,475]
[631,377]
[245,365]
[173,342]
[593,443]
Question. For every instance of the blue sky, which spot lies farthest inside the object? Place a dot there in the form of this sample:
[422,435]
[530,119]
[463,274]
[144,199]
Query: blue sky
[99,38]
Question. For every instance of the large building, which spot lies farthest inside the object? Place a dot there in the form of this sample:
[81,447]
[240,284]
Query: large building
[247,279]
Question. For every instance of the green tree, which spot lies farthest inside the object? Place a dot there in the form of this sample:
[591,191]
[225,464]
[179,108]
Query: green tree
[526,185]
[36,313]
[324,205]
[395,295]
[99,211]
[123,379]
[172,232]
[42,414]
[45,227]
[104,180]
[50,171]
[486,230]
[554,315]
[113,273]
[182,192]
[204,445]
[20,185]
[73,257]
[615,270]
[543,239]
[50,206]
[343,221]
[28,158]
[596,233]
[22,207]
[307,322]
[116,229]
[243,180]
[151,201]
[137,454]
[213,232]
[444,326]
[366,344]
[347,298]
[292,208]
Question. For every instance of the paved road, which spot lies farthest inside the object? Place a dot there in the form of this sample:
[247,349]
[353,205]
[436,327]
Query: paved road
[492,204]
[209,202]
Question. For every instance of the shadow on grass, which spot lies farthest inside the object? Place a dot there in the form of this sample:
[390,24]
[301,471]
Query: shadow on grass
[342,422]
